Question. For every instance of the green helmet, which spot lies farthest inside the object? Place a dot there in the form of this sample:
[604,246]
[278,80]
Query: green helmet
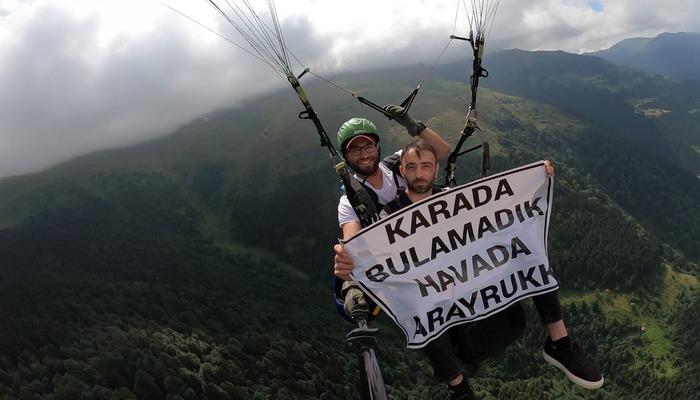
[355,127]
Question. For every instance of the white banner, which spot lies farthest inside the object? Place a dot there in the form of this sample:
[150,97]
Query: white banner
[460,255]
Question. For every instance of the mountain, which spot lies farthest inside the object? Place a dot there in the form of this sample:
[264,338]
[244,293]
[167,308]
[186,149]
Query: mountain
[674,55]
[197,265]
[616,103]
[657,117]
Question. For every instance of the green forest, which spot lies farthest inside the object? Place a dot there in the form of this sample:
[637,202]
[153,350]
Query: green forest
[198,266]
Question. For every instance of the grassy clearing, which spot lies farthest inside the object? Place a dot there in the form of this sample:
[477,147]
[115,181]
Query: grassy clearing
[654,333]
[610,301]
[675,283]
[659,347]
[654,338]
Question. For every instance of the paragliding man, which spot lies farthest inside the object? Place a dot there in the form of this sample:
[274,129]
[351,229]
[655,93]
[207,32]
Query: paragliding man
[394,188]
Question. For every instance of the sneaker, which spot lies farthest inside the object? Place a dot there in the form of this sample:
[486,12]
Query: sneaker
[462,391]
[568,357]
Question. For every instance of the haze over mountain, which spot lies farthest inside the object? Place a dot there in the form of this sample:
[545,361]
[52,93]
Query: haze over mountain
[80,75]
[675,55]
[197,265]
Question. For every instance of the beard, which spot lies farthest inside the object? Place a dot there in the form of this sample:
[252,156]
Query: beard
[366,170]
[420,186]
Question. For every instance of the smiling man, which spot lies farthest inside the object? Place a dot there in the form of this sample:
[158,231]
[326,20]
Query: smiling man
[358,139]
[418,167]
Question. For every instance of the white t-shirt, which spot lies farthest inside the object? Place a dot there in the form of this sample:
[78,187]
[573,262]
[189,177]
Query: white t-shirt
[386,194]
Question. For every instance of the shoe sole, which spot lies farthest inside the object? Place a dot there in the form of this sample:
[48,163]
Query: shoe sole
[573,378]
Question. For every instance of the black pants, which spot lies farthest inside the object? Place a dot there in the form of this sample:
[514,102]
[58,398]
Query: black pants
[548,307]
[439,351]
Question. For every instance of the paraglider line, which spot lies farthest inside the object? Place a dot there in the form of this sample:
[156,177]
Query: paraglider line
[348,91]
[435,63]
[217,34]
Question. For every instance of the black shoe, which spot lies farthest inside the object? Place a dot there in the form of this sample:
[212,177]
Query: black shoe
[462,391]
[568,357]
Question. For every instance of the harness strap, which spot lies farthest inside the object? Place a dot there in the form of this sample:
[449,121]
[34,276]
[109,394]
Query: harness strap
[393,162]
[360,196]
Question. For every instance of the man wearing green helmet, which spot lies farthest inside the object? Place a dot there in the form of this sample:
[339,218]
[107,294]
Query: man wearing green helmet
[358,140]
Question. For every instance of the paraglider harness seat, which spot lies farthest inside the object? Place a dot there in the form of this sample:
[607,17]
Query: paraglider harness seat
[475,342]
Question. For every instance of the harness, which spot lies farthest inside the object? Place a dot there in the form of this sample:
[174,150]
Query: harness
[392,162]
[365,201]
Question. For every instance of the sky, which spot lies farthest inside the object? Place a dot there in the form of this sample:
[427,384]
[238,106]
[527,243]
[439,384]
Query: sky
[78,76]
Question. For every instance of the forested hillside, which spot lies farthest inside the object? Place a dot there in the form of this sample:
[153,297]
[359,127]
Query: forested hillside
[637,157]
[197,266]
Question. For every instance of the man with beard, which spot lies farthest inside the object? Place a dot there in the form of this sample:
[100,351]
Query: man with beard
[358,140]
[419,167]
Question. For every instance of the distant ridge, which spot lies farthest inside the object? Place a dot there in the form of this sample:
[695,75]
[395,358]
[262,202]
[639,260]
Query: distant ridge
[676,55]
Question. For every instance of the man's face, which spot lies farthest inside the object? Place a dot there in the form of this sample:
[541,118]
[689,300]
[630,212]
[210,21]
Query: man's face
[363,156]
[420,171]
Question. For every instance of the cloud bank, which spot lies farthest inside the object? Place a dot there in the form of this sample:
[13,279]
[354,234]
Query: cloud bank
[80,76]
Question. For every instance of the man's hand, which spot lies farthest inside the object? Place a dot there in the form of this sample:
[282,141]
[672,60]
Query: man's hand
[343,263]
[549,168]
[399,115]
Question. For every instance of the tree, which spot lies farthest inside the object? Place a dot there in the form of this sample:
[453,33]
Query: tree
[145,387]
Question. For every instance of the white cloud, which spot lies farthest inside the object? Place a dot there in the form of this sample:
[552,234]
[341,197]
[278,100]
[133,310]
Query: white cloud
[575,26]
[82,75]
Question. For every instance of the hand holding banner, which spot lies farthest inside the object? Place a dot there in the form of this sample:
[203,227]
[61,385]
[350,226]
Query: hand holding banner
[460,255]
